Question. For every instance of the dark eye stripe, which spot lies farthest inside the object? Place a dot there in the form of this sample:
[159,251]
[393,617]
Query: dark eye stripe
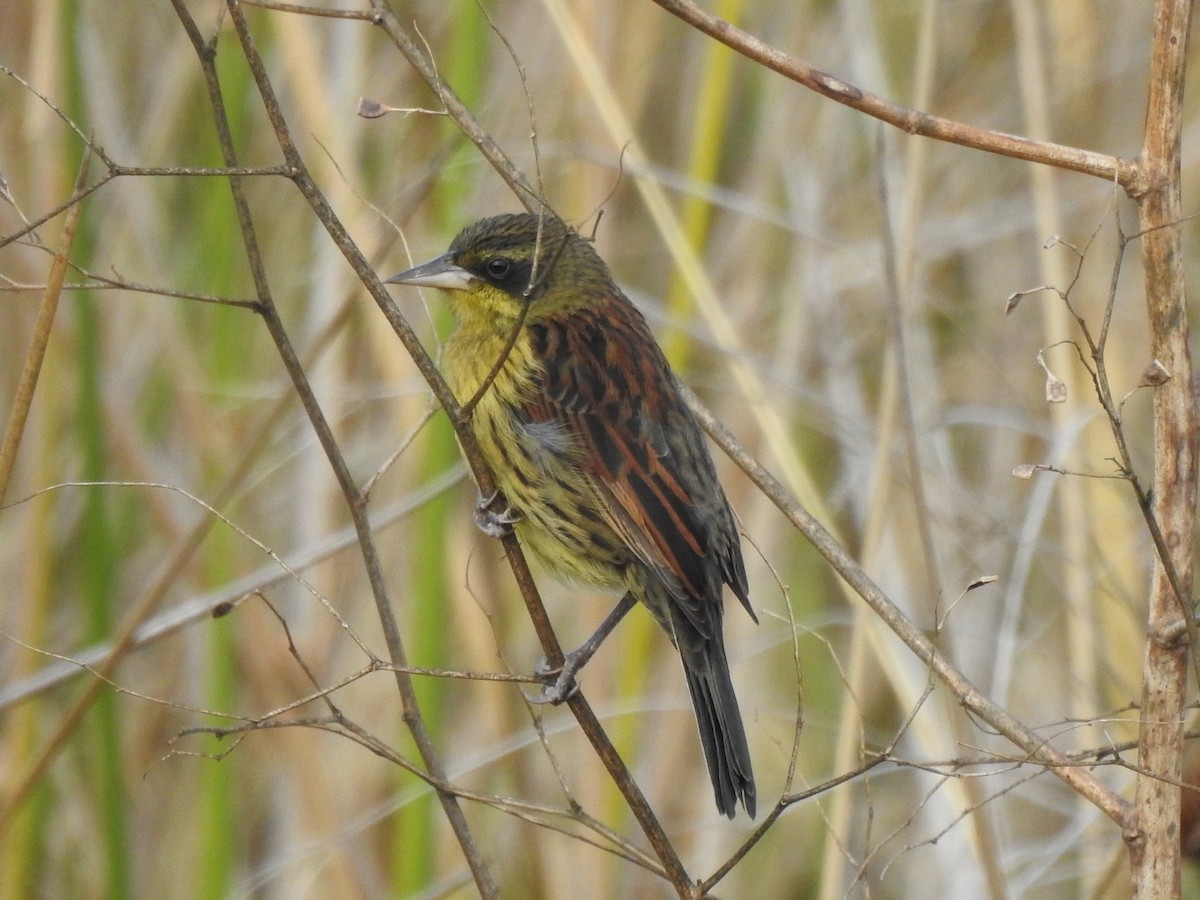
[509,274]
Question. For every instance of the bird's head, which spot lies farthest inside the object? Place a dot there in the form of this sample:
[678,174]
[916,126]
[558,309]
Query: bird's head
[498,266]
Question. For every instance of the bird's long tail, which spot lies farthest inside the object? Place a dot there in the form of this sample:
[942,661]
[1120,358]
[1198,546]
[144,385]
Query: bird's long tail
[721,733]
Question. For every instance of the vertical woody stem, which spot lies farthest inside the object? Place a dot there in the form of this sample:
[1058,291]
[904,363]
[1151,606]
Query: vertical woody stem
[1152,832]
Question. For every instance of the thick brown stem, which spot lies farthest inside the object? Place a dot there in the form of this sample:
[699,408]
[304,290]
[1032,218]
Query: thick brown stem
[1152,832]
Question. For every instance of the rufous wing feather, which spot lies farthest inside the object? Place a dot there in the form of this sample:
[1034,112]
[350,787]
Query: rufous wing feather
[607,381]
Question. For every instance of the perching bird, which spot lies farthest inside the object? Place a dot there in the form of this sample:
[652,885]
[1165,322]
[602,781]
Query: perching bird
[605,470]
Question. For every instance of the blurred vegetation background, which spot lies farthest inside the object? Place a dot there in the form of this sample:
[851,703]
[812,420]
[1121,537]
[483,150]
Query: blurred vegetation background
[813,355]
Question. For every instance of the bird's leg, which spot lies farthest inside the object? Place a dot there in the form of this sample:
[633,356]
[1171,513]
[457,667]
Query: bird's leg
[564,684]
[494,524]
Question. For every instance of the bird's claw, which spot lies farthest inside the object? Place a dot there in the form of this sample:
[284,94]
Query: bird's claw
[563,687]
[494,524]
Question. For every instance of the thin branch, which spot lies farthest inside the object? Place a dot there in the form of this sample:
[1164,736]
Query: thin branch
[1038,749]
[114,171]
[311,192]
[1111,168]
[455,108]
[317,11]
[224,600]
[206,55]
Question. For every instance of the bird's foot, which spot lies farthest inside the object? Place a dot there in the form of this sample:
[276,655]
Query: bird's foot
[492,523]
[560,684]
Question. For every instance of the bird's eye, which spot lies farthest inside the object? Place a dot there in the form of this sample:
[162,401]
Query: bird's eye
[497,267]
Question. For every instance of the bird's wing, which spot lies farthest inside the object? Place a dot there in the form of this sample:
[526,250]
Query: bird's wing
[606,380]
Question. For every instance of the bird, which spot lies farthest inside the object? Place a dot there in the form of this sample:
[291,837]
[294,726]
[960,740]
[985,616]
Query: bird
[604,469]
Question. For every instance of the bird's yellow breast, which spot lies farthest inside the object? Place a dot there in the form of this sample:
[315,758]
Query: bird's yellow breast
[536,465]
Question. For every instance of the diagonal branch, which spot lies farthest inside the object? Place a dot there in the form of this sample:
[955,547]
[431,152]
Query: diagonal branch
[1037,748]
[589,724]
[206,55]
[1124,172]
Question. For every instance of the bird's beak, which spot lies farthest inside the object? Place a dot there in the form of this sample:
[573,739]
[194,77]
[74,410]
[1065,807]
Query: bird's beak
[437,273]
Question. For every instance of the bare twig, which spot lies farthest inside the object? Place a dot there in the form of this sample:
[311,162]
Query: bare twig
[1037,748]
[205,53]
[308,188]
[1111,168]
[454,107]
